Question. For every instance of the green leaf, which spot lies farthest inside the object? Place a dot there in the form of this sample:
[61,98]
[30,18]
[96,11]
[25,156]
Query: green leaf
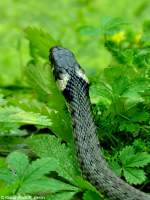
[51,147]
[140,116]
[140,145]
[111,25]
[126,152]
[11,129]
[41,79]
[29,178]
[8,190]
[2,100]
[89,30]
[16,115]
[40,41]
[61,196]
[136,88]
[134,176]
[84,184]
[120,85]
[101,92]
[129,126]
[2,162]
[39,167]
[45,185]
[18,162]
[90,195]
[139,160]
[6,175]
[10,144]
[116,167]
[131,159]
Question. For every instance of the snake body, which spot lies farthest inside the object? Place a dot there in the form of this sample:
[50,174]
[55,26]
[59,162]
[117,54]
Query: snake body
[75,88]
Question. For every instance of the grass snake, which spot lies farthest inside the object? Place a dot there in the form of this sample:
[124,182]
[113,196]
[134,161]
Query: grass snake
[75,88]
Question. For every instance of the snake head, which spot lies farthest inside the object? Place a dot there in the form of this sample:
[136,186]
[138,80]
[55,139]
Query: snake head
[65,66]
[63,61]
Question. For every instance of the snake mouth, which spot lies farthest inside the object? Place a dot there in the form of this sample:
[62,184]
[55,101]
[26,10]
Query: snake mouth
[51,55]
[53,61]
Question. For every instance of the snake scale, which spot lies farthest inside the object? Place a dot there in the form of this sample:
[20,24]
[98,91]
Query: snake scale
[75,88]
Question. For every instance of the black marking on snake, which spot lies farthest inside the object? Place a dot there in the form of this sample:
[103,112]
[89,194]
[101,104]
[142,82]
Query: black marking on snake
[75,87]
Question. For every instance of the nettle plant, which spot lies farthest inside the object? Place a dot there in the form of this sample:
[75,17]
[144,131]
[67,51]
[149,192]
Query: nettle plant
[121,99]
[36,127]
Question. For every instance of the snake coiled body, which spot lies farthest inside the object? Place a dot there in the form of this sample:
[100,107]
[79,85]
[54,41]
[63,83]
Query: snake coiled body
[75,88]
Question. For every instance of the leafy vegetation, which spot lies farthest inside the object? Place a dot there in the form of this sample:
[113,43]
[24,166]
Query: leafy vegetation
[37,157]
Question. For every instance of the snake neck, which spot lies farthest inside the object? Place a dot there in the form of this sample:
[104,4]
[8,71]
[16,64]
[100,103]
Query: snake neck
[92,163]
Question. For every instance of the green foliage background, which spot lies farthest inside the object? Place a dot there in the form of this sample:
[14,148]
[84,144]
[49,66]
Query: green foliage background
[111,41]
[63,20]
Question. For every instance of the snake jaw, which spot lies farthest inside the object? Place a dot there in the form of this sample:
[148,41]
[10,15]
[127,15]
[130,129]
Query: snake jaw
[62,82]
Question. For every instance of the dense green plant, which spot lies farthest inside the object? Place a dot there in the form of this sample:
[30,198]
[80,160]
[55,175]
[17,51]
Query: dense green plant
[36,134]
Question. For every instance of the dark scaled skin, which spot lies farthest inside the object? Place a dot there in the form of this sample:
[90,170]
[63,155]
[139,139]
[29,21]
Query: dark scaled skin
[92,163]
